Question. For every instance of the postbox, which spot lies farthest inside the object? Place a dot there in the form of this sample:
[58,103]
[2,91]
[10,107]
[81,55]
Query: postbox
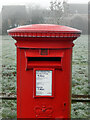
[44,58]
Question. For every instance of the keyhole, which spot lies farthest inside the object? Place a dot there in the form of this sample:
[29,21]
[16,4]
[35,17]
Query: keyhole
[64,104]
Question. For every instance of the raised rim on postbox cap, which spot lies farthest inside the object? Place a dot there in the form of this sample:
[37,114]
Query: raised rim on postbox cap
[44,30]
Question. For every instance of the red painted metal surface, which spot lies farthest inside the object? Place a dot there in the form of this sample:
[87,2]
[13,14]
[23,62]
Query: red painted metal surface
[48,48]
[44,30]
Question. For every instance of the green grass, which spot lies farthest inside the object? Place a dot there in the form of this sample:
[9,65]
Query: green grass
[79,76]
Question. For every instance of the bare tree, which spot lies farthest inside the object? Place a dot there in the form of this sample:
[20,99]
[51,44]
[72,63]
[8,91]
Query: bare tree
[66,8]
[58,10]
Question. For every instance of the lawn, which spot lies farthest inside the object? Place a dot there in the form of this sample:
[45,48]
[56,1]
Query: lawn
[79,76]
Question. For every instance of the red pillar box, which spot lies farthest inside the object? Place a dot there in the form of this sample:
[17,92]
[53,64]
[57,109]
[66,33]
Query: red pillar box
[44,57]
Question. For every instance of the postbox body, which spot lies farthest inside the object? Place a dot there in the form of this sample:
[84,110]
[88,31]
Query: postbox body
[44,57]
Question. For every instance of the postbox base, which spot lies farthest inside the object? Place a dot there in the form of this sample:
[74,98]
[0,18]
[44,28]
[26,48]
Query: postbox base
[43,118]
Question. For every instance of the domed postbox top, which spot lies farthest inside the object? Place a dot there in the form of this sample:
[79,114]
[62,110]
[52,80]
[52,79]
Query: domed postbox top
[44,30]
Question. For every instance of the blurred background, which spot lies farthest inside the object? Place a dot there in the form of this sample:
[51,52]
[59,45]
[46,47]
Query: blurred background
[62,12]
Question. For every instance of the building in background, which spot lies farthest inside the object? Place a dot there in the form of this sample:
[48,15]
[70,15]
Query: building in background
[13,16]
[18,15]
